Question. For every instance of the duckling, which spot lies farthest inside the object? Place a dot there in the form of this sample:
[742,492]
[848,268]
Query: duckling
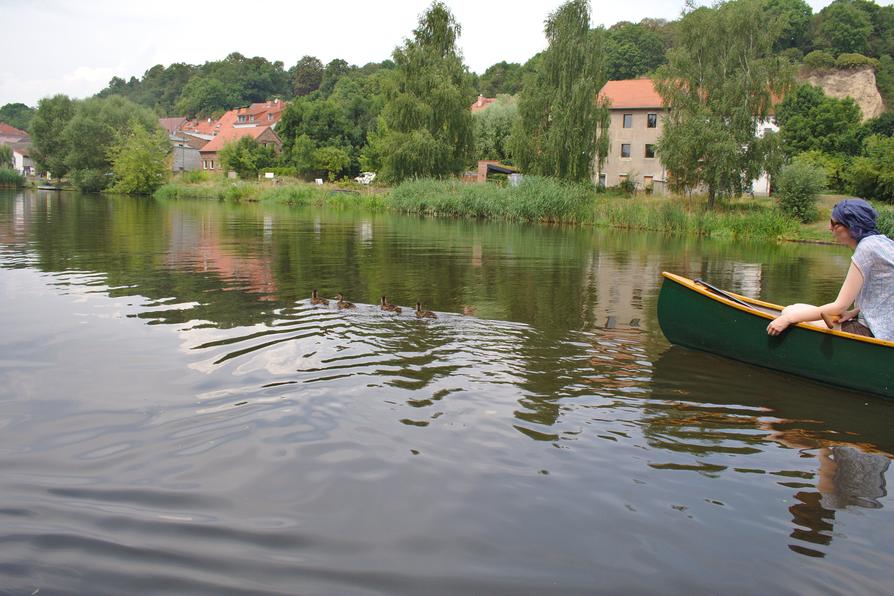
[424,314]
[389,307]
[342,303]
[316,300]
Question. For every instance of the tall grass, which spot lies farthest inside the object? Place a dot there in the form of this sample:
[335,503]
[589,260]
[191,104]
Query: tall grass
[885,222]
[535,199]
[10,178]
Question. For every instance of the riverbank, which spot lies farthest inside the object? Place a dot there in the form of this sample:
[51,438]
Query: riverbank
[539,200]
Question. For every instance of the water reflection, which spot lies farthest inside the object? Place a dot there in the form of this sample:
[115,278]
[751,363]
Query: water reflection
[162,370]
[712,407]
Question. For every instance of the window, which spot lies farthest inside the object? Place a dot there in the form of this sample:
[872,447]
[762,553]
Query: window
[625,150]
[628,120]
[602,180]
[241,118]
[650,150]
[651,120]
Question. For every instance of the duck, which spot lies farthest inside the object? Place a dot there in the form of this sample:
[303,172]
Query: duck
[316,300]
[342,303]
[424,314]
[389,307]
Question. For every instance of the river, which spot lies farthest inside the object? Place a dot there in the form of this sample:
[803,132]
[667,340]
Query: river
[177,417]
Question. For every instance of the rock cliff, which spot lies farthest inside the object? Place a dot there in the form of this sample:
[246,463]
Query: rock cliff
[858,84]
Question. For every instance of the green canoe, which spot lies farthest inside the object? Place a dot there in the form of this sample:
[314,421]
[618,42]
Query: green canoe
[698,316]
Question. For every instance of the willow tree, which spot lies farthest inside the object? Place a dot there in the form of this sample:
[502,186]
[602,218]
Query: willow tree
[718,86]
[557,132]
[425,129]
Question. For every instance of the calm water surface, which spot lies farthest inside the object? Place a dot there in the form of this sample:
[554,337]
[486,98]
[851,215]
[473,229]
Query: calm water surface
[175,416]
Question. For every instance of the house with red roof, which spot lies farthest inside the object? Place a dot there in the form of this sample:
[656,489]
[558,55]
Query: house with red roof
[210,153]
[636,109]
[482,103]
[11,134]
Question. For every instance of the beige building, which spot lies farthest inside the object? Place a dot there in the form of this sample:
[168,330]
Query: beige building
[636,111]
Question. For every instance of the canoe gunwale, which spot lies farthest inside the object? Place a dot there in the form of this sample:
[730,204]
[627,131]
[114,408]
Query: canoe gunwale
[691,285]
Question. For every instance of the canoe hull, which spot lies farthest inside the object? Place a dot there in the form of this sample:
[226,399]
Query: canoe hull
[696,319]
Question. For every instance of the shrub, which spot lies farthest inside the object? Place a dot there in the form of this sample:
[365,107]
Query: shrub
[90,179]
[10,178]
[872,174]
[193,177]
[855,61]
[885,222]
[627,186]
[798,186]
[834,166]
[819,60]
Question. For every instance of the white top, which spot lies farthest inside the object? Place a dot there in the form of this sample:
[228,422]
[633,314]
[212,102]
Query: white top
[875,258]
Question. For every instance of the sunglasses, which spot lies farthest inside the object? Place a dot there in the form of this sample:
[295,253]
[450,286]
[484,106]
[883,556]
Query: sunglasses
[833,223]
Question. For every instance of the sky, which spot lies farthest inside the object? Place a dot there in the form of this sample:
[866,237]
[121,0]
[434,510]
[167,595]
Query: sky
[76,47]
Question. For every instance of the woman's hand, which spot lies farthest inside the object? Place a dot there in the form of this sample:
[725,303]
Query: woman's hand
[778,325]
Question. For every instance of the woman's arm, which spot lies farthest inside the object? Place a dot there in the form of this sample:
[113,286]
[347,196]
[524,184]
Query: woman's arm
[850,289]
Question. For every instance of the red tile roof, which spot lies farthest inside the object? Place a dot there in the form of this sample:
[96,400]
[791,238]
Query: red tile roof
[172,124]
[482,102]
[632,93]
[230,133]
[11,131]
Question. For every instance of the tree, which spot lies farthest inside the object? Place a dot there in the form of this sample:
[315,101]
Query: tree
[426,125]
[17,114]
[843,27]
[333,72]
[246,157]
[493,128]
[810,120]
[332,160]
[718,86]
[204,96]
[47,127]
[872,174]
[140,160]
[793,19]
[306,75]
[632,50]
[502,77]
[96,126]
[556,132]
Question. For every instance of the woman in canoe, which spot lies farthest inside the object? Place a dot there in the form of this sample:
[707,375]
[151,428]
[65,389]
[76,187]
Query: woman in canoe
[869,284]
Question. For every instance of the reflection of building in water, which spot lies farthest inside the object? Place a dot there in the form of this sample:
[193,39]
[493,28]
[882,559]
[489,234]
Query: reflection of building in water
[619,286]
[747,279]
[196,244]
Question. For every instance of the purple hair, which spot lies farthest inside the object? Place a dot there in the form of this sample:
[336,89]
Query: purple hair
[858,216]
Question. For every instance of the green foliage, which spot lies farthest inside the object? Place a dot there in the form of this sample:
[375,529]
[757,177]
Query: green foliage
[426,127]
[306,75]
[91,179]
[535,199]
[332,74]
[193,177]
[246,157]
[140,160]
[872,174]
[885,221]
[798,186]
[17,114]
[811,120]
[493,128]
[501,78]
[632,50]
[47,126]
[819,60]
[158,90]
[884,79]
[6,157]
[332,160]
[718,85]
[792,17]
[205,96]
[843,27]
[834,167]
[9,178]
[97,125]
[556,132]
[853,61]
[883,125]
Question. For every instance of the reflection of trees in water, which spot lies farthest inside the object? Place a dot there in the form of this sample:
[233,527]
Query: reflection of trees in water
[706,406]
